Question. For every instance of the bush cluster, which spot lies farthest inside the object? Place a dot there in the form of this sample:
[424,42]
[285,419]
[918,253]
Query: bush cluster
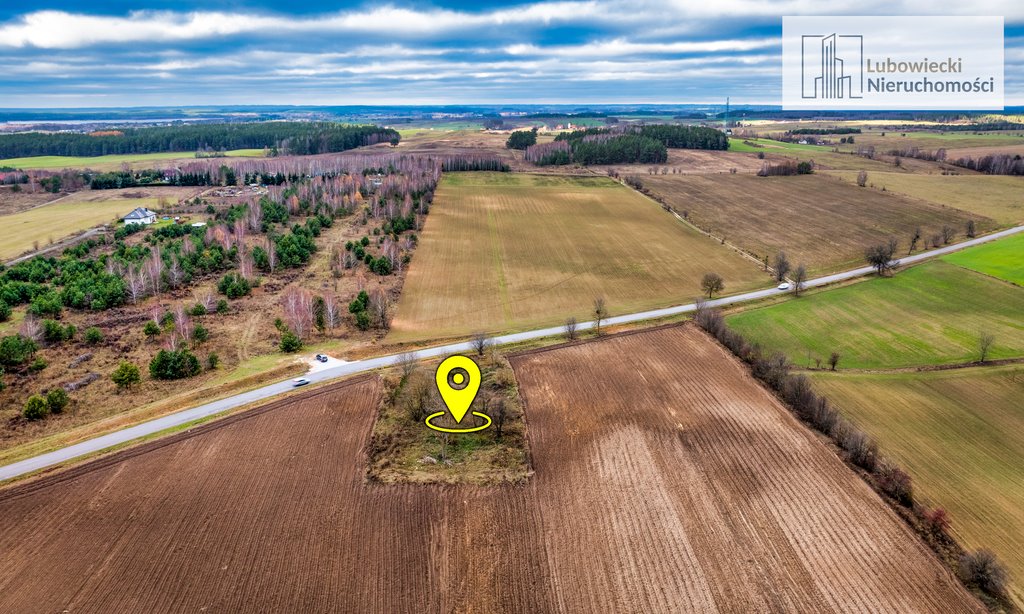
[174,364]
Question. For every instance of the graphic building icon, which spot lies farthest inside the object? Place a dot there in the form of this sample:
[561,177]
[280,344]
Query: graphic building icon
[832,66]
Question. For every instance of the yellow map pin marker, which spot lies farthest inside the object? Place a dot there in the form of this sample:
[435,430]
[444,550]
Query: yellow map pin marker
[458,381]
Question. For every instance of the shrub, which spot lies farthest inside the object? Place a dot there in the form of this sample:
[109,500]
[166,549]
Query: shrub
[197,310]
[170,365]
[983,570]
[896,483]
[57,399]
[363,320]
[46,304]
[359,303]
[862,450]
[200,334]
[290,342]
[15,350]
[151,329]
[126,375]
[222,306]
[212,361]
[936,521]
[5,311]
[53,332]
[38,365]
[36,408]
[234,286]
[93,335]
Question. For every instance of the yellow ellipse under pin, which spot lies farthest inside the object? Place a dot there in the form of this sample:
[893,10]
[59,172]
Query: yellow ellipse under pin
[471,429]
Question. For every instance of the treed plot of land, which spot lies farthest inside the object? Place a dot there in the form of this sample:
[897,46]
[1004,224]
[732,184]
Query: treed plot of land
[114,162]
[669,482]
[1003,259]
[1000,198]
[930,314]
[75,213]
[960,434]
[504,251]
[819,221]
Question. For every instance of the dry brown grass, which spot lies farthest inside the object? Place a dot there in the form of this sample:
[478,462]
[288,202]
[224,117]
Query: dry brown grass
[817,220]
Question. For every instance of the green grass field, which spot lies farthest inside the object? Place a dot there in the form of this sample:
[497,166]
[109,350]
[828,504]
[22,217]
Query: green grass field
[929,314]
[960,435]
[112,162]
[1000,198]
[504,251]
[1003,259]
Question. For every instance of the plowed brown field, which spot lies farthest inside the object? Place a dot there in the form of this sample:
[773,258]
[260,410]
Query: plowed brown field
[666,480]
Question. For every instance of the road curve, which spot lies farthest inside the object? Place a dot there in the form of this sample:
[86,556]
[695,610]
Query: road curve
[157,425]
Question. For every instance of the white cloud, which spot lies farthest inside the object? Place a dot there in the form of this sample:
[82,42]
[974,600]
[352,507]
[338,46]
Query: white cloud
[62,30]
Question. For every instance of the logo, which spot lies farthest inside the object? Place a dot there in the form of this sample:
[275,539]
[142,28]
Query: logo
[832,66]
[892,63]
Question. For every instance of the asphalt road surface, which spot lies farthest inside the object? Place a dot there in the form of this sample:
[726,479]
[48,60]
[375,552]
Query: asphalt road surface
[188,415]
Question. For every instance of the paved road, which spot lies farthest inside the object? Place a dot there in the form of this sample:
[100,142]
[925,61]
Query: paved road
[183,417]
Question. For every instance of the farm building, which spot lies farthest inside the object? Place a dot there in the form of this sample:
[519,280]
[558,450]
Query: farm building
[140,216]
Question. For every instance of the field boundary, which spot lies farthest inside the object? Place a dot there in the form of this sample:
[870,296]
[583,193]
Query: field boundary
[58,474]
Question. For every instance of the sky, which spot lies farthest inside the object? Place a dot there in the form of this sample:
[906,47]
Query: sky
[108,53]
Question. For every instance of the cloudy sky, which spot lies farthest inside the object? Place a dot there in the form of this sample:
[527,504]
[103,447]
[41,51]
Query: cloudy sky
[71,53]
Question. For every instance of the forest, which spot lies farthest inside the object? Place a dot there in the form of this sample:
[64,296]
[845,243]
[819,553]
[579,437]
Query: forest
[298,138]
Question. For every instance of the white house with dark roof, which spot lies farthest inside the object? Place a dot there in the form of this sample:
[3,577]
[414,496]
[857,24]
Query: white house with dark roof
[140,216]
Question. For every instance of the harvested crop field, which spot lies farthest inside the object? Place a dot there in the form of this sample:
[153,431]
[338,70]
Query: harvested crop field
[994,196]
[666,482]
[819,221]
[960,435]
[510,251]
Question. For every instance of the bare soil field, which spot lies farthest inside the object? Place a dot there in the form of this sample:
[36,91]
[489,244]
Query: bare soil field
[817,220]
[666,482]
[508,251]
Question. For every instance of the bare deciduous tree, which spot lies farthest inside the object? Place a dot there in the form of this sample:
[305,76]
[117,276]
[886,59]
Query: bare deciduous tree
[971,230]
[833,360]
[799,279]
[914,239]
[298,310]
[712,283]
[380,307]
[600,313]
[407,362]
[500,416]
[570,329]
[480,342]
[985,342]
[332,311]
[781,266]
[948,234]
[880,256]
[862,179]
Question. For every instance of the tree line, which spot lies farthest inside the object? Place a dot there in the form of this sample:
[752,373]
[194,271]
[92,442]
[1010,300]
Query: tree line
[299,138]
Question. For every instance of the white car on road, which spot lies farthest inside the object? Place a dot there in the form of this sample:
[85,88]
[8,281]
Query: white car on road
[784,285]
[301,381]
